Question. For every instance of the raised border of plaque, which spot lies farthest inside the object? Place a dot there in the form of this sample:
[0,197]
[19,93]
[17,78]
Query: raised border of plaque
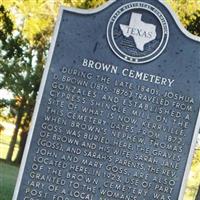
[45,74]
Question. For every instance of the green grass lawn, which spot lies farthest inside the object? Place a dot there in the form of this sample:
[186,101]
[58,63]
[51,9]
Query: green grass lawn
[8,175]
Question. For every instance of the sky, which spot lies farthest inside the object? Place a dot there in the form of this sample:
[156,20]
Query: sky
[5,94]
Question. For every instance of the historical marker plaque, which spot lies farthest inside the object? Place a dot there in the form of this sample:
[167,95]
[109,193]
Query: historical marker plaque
[116,117]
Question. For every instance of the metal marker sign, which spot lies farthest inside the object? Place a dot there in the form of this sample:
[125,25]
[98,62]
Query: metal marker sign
[116,116]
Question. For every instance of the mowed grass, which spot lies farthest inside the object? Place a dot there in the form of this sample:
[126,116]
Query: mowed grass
[8,176]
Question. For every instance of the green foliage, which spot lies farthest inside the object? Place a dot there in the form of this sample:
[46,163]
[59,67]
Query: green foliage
[194,25]
[93,3]
[194,177]
[189,13]
[21,67]
[40,15]
[16,57]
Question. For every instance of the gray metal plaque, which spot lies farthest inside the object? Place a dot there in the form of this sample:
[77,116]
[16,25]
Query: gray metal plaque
[116,116]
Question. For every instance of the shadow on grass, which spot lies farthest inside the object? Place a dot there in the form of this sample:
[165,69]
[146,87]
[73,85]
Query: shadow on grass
[8,176]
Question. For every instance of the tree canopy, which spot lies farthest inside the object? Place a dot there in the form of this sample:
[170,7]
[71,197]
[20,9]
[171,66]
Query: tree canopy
[38,17]
[189,13]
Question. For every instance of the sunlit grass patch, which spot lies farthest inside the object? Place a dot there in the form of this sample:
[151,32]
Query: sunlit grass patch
[5,138]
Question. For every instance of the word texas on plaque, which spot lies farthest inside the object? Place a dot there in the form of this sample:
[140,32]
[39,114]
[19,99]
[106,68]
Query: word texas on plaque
[116,115]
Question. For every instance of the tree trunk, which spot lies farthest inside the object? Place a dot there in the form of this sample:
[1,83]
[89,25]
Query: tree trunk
[21,147]
[198,194]
[14,137]
[24,133]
